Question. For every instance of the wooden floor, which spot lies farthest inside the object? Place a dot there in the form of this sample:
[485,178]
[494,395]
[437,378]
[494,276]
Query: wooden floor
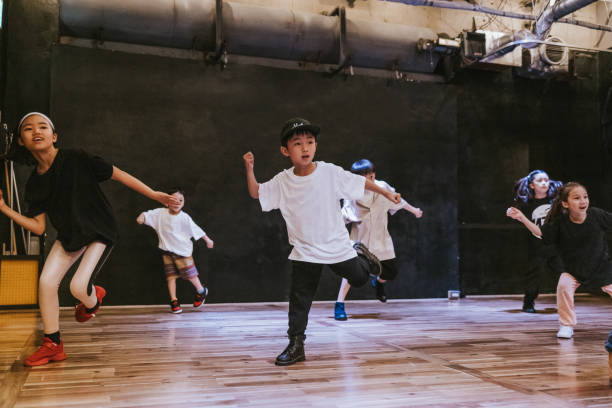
[475,352]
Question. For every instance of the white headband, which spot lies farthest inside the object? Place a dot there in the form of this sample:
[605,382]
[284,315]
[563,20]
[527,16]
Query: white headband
[27,115]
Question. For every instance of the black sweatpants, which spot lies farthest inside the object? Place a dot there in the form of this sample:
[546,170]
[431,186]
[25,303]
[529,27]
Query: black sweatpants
[534,276]
[305,278]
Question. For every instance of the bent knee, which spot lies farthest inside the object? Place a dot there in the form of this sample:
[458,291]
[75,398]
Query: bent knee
[566,283]
[78,289]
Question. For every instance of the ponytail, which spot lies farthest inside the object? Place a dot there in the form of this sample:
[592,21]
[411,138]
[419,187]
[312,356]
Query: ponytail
[522,192]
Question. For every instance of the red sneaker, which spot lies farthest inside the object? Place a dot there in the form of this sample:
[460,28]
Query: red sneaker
[80,313]
[200,298]
[48,351]
[175,307]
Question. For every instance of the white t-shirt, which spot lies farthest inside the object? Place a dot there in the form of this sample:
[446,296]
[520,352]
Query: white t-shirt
[174,231]
[371,228]
[310,206]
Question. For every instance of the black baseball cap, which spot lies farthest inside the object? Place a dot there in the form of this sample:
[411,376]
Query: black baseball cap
[297,125]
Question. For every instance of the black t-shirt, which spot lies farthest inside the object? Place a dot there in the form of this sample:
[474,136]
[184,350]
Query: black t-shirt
[581,249]
[536,210]
[69,193]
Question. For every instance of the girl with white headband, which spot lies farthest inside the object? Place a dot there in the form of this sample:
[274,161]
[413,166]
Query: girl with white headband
[65,187]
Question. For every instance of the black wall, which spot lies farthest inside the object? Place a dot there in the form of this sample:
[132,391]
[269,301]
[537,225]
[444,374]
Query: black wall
[508,126]
[170,122]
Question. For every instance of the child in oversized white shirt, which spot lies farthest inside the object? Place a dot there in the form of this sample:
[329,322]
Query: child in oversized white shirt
[308,196]
[175,229]
[368,218]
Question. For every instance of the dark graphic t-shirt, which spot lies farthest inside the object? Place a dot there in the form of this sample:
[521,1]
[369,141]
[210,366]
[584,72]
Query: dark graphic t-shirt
[536,210]
[69,193]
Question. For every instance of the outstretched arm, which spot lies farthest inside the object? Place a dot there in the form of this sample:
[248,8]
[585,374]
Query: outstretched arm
[516,214]
[36,224]
[140,187]
[417,212]
[249,164]
[389,195]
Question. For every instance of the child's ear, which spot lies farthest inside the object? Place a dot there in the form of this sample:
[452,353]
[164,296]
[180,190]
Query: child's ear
[564,204]
[54,137]
[19,141]
[284,151]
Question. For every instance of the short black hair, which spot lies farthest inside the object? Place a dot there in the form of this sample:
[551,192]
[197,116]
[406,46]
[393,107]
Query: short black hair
[363,167]
[173,190]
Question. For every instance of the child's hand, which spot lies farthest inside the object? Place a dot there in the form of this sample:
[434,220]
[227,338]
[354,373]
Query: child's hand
[165,199]
[209,242]
[249,160]
[2,202]
[140,219]
[396,198]
[514,213]
[418,213]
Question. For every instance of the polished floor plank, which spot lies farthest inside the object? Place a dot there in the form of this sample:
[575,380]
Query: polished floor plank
[475,352]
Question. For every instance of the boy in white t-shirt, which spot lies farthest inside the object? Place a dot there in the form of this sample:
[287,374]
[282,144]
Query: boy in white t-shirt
[368,218]
[175,229]
[308,196]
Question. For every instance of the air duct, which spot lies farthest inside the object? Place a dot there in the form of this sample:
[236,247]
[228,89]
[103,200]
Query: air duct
[280,33]
[182,24]
[258,31]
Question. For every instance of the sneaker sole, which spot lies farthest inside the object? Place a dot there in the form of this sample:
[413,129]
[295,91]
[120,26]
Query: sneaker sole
[286,363]
[176,311]
[59,357]
[370,256]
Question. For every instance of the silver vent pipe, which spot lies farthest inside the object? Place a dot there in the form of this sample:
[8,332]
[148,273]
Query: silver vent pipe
[554,11]
[477,8]
[246,29]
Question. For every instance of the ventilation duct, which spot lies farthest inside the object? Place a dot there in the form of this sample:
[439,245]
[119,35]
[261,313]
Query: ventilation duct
[392,46]
[279,33]
[182,24]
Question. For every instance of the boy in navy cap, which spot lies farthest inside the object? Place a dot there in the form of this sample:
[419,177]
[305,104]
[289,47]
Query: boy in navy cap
[308,196]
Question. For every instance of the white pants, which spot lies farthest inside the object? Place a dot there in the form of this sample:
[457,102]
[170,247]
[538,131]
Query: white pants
[57,264]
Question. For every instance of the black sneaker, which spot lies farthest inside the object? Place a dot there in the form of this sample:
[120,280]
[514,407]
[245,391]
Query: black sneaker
[375,266]
[175,307]
[528,307]
[380,292]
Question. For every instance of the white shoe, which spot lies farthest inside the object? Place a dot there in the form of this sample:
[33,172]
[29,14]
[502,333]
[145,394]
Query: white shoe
[565,332]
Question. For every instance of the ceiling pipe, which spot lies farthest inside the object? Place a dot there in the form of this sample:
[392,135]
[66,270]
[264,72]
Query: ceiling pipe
[488,10]
[553,12]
